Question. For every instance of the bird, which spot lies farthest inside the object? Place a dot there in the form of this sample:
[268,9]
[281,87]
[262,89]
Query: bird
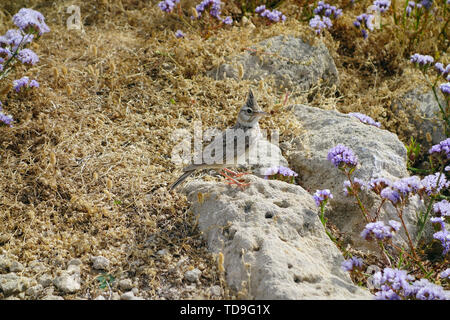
[245,134]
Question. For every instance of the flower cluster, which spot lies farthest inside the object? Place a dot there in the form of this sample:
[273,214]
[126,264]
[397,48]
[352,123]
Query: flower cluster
[445,274]
[358,185]
[443,71]
[342,157]
[382,5]
[365,119]
[4,118]
[364,22]
[213,11]
[25,83]
[442,208]
[274,15]
[422,60]
[13,38]
[434,183]
[167,5]
[444,237]
[30,21]
[445,88]
[352,264]
[321,196]
[323,15]
[441,149]
[395,284]
[379,230]
[378,184]
[280,170]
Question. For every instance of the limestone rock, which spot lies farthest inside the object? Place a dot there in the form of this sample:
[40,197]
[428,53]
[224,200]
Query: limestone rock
[273,243]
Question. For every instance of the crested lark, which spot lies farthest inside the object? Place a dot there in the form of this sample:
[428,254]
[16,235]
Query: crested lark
[241,137]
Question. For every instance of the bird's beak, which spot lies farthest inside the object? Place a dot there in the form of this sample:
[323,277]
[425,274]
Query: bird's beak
[261,113]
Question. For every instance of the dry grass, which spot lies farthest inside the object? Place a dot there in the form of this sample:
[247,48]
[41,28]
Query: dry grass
[86,166]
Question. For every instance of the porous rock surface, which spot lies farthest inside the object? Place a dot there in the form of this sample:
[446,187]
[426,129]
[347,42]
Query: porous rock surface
[273,243]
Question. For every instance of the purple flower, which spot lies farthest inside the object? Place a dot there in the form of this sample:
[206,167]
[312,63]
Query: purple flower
[379,230]
[319,23]
[5,119]
[444,237]
[167,5]
[432,185]
[214,9]
[438,220]
[442,208]
[228,20]
[280,170]
[5,53]
[30,20]
[427,4]
[441,149]
[342,156]
[391,195]
[365,119]
[324,9]
[14,37]
[352,263]
[27,56]
[322,195]
[274,15]
[425,290]
[382,5]
[445,274]
[378,184]
[260,9]
[445,88]
[358,184]
[179,34]
[411,5]
[422,60]
[25,83]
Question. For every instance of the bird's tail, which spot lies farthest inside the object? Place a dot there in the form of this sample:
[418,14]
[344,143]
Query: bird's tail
[181,179]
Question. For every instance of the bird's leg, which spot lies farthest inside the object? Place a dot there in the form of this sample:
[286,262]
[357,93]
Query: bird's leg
[235,174]
[240,184]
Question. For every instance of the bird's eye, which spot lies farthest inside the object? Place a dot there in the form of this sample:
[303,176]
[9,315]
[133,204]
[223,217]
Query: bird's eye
[249,111]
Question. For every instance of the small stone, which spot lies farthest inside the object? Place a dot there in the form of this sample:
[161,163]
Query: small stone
[16,267]
[68,283]
[125,284]
[35,291]
[162,252]
[135,291]
[36,266]
[74,262]
[5,263]
[100,297]
[52,297]
[100,263]
[215,290]
[11,283]
[192,275]
[115,296]
[45,280]
[127,296]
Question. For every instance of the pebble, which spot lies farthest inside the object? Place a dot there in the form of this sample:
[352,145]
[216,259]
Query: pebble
[100,263]
[215,290]
[68,283]
[192,275]
[45,280]
[35,291]
[52,297]
[16,267]
[100,297]
[125,284]
[5,263]
[11,283]
[127,296]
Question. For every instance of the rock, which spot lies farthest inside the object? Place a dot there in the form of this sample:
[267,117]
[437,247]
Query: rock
[380,154]
[127,296]
[35,291]
[74,266]
[125,284]
[100,263]
[52,297]
[162,252]
[115,296]
[215,290]
[16,267]
[282,249]
[11,283]
[263,156]
[100,297]
[135,291]
[5,263]
[68,283]
[290,61]
[45,280]
[192,275]
[37,267]
[422,111]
